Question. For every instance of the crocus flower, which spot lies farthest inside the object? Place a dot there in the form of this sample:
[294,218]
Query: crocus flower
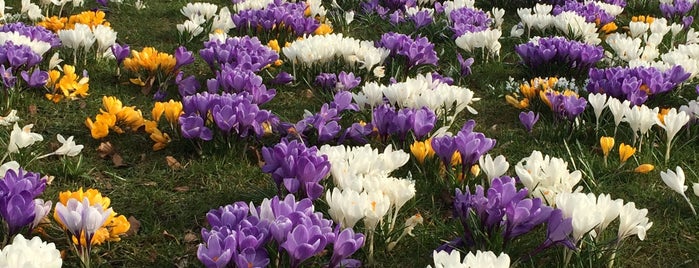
[633,221]
[607,143]
[625,151]
[464,64]
[528,120]
[598,103]
[672,123]
[303,242]
[346,243]
[192,126]
[68,147]
[33,252]
[493,168]
[675,180]
[644,168]
[22,137]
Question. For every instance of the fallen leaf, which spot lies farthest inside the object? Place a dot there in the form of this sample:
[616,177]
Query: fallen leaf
[308,93]
[82,104]
[168,235]
[32,109]
[118,161]
[190,237]
[173,163]
[105,149]
[150,183]
[135,226]
[49,179]
[260,159]
[182,189]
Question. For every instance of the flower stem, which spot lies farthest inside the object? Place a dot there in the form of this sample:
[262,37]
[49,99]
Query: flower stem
[690,204]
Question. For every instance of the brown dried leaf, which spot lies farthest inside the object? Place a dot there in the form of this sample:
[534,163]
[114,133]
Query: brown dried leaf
[150,183]
[118,161]
[308,93]
[190,237]
[260,159]
[182,189]
[168,235]
[135,226]
[105,149]
[82,104]
[173,163]
[32,109]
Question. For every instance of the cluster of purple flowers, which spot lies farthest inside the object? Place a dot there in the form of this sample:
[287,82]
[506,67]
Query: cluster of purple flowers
[240,233]
[540,53]
[417,51]
[18,60]
[342,82]
[420,18]
[34,33]
[297,167]
[471,145]
[231,114]
[678,9]
[566,106]
[18,204]
[239,52]
[383,7]
[621,3]
[469,20]
[389,121]
[504,211]
[590,11]
[635,84]
[277,15]
[325,124]
[238,80]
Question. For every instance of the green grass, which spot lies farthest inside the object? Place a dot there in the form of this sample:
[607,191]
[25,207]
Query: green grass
[170,204]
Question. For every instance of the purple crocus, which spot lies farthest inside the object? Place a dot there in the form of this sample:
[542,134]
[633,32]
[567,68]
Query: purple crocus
[326,81]
[421,19]
[444,147]
[183,57]
[303,242]
[217,252]
[423,122]
[296,167]
[346,243]
[282,78]
[558,230]
[120,52]
[464,64]
[528,120]
[471,145]
[36,79]
[347,81]
[192,127]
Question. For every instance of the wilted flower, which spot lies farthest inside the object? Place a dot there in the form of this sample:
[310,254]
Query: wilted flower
[644,168]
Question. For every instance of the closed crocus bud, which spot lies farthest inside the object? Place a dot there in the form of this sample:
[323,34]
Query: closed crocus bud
[625,151]
[644,168]
[607,144]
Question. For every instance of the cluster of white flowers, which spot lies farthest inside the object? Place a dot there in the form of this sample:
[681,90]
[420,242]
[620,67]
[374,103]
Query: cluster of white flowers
[592,214]
[420,91]
[685,55]
[442,259]
[30,253]
[364,188]
[569,23]
[84,37]
[487,39]
[546,177]
[38,46]
[24,137]
[201,14]
[316,7]
[321,49]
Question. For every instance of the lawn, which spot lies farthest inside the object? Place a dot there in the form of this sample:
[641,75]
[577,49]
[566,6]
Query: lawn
[197,143]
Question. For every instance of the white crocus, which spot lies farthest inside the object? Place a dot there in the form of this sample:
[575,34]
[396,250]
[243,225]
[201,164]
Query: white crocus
[695,187]
[41,210]
[105,37]
[32,10]
[486,259]
[675,180]
[442,259]
[619,110]
[672,123]
[633,221]
[12,165]
[609,209]
[641,119]
[581,208]
[547,177]
[346,207]
[598,102]
[493,168]
[28,253]
[9,118]
[349,17]
[22,137]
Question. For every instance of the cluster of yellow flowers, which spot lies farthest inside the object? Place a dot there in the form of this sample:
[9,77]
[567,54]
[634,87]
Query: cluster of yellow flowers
[112,229]
[150,61]
[537,87]
[647,19]
[69,85]
[118,118]
[625,152]
[89,18]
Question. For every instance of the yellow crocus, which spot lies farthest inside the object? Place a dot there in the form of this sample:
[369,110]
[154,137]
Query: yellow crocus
[420,149]
[98,129]
[53,23]
[323,29]
[157,111]
[528,91]
[609,27]
[644,168]
[519,104]
[625,151]
[607,144]
[274,45]
[132,118]
[161,139]
[173,110]
[475,170]
[111,105]
[93,196]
